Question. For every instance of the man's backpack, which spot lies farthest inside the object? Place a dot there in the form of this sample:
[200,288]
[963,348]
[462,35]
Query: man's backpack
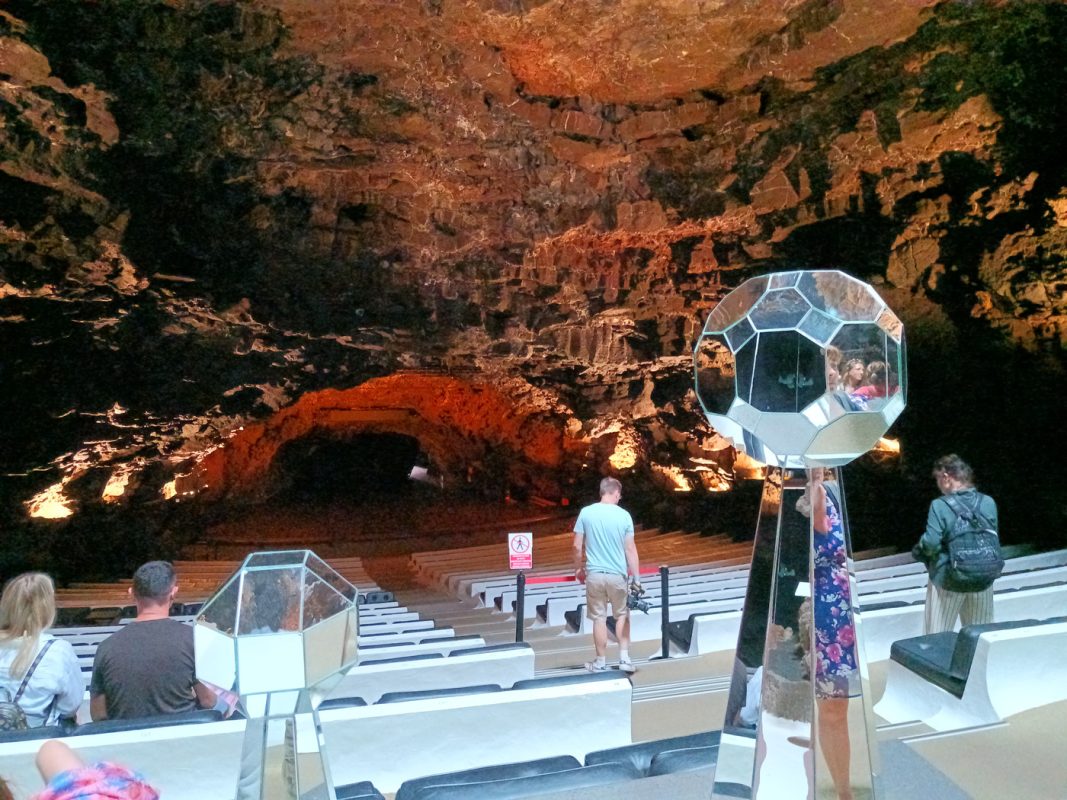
[974,559]
[12,717]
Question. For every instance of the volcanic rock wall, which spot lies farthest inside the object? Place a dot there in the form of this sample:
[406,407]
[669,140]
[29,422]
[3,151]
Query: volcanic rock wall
[211,210]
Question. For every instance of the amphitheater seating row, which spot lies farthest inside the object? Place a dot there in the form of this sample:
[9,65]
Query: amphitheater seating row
[873,593]
[883,622]
[385,743]
[503,665]
[894,571]
[673,549]
[570,715]
[876,586]
[978,676]
[459,576]
[85,602]
[562,773]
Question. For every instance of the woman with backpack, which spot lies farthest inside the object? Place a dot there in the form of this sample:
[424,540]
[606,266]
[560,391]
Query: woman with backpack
[40,679]
[960,549]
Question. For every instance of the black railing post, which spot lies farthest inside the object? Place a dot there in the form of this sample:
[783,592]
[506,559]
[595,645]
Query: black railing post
[520,605]
[665,610]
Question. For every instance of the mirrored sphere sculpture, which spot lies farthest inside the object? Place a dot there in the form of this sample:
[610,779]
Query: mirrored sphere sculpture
[280,633]
[802,368]
[804,371]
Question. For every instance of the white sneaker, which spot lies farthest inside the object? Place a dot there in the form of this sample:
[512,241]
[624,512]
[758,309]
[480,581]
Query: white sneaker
[627,667]
[593,666]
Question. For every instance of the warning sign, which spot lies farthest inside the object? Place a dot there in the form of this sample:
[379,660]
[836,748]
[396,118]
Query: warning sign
[520,551]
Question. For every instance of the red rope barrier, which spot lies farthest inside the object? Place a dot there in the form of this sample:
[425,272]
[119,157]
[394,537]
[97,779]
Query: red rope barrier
[570,578]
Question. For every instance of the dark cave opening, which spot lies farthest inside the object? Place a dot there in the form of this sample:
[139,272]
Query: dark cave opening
[327,467]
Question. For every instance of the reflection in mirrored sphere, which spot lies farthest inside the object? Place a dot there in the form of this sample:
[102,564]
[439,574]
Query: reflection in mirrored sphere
[802,368]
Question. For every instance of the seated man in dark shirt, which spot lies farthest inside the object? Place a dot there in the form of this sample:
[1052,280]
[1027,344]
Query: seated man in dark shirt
[147,668]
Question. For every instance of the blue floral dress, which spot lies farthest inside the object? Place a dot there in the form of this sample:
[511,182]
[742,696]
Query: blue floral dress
[835,635]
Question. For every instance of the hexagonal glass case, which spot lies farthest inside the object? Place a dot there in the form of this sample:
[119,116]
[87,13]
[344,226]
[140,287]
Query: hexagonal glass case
[284,621]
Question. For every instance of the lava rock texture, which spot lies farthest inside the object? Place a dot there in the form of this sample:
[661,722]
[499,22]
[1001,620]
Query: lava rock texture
[497,226]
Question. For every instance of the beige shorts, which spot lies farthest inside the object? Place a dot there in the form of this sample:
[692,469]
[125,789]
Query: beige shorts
[601,589]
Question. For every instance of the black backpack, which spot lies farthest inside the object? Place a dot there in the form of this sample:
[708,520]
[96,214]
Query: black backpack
[974,559]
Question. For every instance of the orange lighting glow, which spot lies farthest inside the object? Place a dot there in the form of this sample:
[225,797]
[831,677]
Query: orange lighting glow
[50,504]
[116,485]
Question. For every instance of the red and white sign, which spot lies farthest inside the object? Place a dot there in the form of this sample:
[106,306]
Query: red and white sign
[520,551]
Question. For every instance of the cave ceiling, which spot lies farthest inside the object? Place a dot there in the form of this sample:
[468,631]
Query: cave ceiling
[216,217]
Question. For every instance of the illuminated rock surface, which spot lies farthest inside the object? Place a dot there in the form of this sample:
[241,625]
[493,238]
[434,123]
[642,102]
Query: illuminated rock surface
[212,213]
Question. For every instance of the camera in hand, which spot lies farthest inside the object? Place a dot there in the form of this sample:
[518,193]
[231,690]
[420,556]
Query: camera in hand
[634,600]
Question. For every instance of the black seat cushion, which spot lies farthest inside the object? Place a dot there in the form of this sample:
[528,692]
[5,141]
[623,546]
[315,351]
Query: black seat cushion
[364,790]
[513,788]
[686,759]
[681,632]
[159,721]
[930,657]
[42,732]
[566,680]
[885,604]
[640,755]
[398,659]
[480,774]
[341,702]
[491,648]
[401,697]
[574,619]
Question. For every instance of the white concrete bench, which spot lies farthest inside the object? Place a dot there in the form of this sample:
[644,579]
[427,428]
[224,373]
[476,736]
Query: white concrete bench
[714,632]
[184,762]
[387,744]
[1010,669]
[502,665]
[443,645]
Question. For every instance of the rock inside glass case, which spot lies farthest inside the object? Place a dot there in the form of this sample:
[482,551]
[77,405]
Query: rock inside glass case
[280,633]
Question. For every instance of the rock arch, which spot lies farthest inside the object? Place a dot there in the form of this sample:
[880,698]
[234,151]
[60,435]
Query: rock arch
[505,424]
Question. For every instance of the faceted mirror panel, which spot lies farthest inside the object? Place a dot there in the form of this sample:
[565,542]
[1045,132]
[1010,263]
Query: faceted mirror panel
[331,576]
[779,310]
[788,373]
[220,611]
[736,304]
[715,372]
[275,558]
[270,600]
[321,601]
[864,366]
[739,334]
[819,326]
[781,280]
[841,296]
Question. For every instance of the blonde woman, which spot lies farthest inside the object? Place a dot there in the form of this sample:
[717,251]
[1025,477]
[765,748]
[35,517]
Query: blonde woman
[54,687]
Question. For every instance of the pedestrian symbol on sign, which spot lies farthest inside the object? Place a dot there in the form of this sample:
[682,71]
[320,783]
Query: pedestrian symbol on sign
[520,550]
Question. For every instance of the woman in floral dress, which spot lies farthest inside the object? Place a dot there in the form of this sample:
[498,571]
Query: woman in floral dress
[835,634]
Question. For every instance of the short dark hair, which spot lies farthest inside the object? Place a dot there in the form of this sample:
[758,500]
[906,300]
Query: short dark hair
[609,485]
[955,467]
[154,580]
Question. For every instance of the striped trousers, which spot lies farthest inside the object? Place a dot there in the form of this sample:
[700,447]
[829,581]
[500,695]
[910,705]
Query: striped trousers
[944,606]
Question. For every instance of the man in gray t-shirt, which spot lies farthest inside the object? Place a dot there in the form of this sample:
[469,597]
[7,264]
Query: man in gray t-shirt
[605,560]
[147,668]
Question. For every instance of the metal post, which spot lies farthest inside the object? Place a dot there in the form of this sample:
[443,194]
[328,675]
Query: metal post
[665,610]
[520,605]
